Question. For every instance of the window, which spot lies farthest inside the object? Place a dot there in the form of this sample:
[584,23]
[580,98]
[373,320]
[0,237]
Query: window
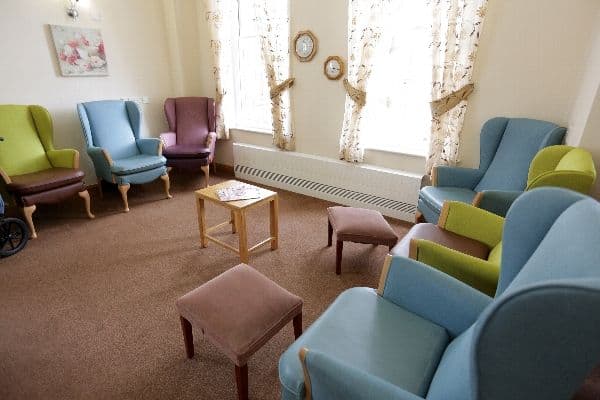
[252,100]
[397,115]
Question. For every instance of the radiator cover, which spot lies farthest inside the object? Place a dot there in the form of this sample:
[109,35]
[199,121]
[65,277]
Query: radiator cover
[394,193]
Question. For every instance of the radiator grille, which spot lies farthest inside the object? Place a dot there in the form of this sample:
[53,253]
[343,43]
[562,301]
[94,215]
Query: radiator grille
[337,192]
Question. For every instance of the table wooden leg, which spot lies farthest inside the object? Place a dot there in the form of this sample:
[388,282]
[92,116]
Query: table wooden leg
[188,337]
[232,222]
[201,222]
[240,224]
[297,325]
[274,222]
[241,379]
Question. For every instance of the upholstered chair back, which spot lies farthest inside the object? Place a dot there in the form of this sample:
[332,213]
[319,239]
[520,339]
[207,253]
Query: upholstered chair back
[548,295]
[191,118]
[507,147]
[113,125]
[23,128]
[563,166]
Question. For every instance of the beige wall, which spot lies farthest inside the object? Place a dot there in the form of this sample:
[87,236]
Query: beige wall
[531,62]
[584,121]
[591,138]
[534,61]
[136,48]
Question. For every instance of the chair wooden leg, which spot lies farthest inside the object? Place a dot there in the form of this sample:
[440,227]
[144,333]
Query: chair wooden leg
[329,233]
[123,189]
[100,192]
[338,256]
[419,218]
[241,378]
[297,325]
[27,213]
[206,170]
[188,337]
[167,182]
[85,195]
[214,164]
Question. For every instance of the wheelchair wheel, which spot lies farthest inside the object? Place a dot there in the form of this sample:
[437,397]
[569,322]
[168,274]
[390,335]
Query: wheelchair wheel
[13,236]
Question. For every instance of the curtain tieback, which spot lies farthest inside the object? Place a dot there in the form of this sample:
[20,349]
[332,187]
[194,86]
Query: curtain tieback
[359,96]
[219,97]
[276,91]
[448,102]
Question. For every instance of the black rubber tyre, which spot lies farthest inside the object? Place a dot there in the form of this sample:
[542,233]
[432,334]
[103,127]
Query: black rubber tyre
[13,236]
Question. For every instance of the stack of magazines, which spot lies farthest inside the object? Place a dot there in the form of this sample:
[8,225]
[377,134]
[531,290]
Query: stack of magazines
[239,191]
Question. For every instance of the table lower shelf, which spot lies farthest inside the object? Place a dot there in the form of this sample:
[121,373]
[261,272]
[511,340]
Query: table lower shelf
[213,239]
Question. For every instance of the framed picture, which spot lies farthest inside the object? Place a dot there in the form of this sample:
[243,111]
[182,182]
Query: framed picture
[80,51]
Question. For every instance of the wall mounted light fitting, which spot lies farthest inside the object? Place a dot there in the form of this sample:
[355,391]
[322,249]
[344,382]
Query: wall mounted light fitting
[72,9]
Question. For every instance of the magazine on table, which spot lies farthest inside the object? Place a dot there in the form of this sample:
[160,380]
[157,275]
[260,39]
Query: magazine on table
[240,191]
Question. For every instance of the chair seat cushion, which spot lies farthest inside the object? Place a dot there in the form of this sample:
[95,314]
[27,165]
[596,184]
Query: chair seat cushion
[186,151]
[44,180]
[363,329]
[361,225]
[137,163]
[441,236]
[435,196]
[239,310]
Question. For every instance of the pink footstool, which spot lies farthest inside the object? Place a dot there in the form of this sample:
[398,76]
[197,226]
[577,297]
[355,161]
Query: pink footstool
[239,311]
[357,225]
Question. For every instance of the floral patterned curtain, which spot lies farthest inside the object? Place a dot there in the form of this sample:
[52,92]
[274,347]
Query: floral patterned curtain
[455,35]
[364,30]
[273,23]
[219,15]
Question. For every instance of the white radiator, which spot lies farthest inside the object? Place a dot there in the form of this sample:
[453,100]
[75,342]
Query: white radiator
[394,193]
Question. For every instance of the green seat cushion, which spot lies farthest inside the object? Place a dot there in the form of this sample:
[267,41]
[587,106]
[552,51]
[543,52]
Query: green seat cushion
[365,330]
[21,152]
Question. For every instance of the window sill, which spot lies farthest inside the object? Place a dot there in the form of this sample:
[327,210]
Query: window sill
[410,153]
[261,131]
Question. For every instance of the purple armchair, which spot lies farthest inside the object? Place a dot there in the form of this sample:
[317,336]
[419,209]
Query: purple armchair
[190,144]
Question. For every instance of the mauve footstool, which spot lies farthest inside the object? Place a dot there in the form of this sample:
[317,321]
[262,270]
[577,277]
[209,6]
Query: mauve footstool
[358,225]
[239,311]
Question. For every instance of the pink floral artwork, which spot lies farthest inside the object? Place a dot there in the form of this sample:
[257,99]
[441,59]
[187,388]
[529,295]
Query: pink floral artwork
[80,51]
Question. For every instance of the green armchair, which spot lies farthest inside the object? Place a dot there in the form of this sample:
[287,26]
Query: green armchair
[466,244]
[31,169]
[560,166]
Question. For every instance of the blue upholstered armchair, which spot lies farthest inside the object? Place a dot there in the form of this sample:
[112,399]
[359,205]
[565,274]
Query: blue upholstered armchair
[111,129]
[426,335]
[507,147]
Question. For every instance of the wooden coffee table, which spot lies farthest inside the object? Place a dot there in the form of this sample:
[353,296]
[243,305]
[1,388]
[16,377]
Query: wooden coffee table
[238,218]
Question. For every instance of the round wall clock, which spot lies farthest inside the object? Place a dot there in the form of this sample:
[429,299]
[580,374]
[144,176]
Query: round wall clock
[334,67]
[305,45]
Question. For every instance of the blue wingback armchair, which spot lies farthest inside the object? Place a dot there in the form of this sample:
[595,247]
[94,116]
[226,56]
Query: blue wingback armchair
[426,335]
[111,129]
[507,147]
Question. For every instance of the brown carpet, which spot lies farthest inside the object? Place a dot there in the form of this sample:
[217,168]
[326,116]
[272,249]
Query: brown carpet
[87,310]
